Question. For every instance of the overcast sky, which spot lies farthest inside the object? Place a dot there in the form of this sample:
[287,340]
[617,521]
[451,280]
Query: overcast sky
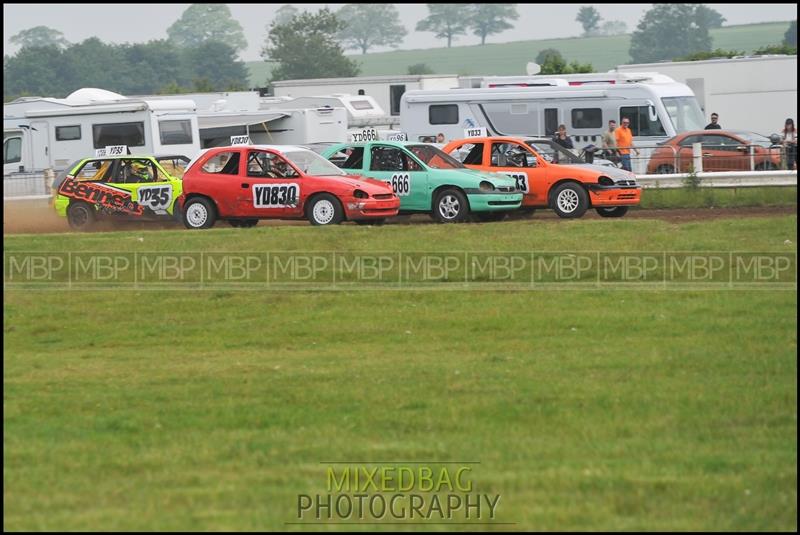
[134,23]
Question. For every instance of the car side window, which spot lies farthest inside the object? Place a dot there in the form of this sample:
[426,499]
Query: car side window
[721,143]
[499,158]
[469,153]
[688,141]
[269,165]
[388,159]
[95,171]
[130,171]
[224,163]
[348,158]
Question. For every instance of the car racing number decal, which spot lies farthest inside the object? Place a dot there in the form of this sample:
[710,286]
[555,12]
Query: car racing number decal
[275,195]
[157,198]
[521,179]
[401,184]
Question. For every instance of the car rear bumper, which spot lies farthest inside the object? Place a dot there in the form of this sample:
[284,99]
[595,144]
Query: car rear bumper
[494,202]
[60,203]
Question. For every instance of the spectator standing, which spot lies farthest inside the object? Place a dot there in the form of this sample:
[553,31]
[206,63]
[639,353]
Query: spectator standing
[440,137]
[562,138]
[790,143]
[610,142]
[624,138]
[714,124]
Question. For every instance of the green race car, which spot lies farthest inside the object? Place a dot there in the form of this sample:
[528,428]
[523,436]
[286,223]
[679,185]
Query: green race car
[127,187]
[428,180]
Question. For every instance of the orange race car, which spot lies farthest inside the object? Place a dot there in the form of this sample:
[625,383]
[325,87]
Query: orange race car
[550,176]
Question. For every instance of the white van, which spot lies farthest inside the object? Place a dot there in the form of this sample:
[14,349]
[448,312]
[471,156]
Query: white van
[534,106]
[49,133]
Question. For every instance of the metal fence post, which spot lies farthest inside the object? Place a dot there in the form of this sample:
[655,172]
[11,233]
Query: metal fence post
[697,157]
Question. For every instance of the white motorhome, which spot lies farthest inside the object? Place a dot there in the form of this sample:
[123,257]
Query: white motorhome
[657,106]
[289,126]
[222,116]
[50,133]
[386,90]
[754,93]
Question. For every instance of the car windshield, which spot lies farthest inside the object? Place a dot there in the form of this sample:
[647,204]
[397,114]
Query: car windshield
[435,158]
[753,138]
[553,152]
[174,165]
[312,163]
[684,112]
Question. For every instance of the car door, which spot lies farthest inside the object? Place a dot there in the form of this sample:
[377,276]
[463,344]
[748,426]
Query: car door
[401,170]
[147,187]
[519,162]
[729,154]
[221,177]
[273,187]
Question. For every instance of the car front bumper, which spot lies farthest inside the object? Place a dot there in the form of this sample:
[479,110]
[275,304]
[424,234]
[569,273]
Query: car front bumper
[494,202]
[371,208]
[614,195]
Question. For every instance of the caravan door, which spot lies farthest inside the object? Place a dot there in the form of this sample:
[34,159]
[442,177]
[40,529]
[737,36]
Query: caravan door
[40,134]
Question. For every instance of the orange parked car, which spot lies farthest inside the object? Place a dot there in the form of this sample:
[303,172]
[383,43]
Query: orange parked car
[723,150]
[568,188]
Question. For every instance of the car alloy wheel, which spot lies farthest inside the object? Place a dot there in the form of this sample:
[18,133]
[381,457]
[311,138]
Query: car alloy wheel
[323,212]
[449,207]
[567,201]
[197,215]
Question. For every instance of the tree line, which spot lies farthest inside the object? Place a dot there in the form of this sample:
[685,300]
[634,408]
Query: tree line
[200,53]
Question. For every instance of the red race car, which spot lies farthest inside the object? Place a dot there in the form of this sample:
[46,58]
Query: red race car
[243,184]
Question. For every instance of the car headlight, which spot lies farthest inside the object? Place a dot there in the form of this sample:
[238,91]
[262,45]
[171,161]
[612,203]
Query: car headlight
[360,194]
[485,185]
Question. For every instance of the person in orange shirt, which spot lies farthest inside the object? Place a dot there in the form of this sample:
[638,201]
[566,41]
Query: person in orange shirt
[624,138]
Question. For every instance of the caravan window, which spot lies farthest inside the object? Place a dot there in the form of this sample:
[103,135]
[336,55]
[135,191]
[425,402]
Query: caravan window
[130,134]
[12,150]
[175,132]
[641,125]
[587,118]
[443,114]
[68,133]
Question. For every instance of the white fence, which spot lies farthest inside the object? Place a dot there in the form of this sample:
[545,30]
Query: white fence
[27,185]
[732,179]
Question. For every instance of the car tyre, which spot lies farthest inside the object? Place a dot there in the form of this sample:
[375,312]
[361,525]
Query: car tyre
[451,206]
[613,211]
[325,209]
[199,213]
[569,200]
[81,216]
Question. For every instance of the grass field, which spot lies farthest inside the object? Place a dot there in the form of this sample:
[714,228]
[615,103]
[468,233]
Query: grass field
[510,58]
[593,409]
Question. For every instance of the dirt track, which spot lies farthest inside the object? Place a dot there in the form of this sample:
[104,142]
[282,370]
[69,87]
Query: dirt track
[38,217]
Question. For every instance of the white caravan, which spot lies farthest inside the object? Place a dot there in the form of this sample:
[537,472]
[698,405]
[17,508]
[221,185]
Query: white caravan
[49,133]
[657,106]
